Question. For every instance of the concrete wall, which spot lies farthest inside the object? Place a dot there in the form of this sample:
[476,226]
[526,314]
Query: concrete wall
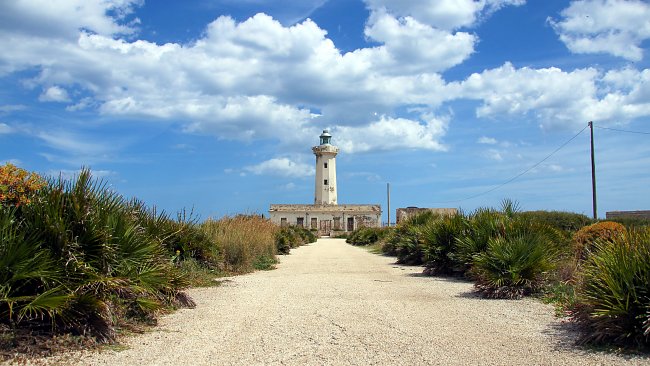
[633,214]
[404,213]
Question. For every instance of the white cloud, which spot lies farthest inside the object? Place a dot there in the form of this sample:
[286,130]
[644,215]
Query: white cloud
[617,27]
[559,98]
[393,133]
[443,14]
[8,108]
[54,94]
[258,79]
[5,129]
[487,140]
[495,154]
[551,95]
[284,167]
[411,46]
[65,18]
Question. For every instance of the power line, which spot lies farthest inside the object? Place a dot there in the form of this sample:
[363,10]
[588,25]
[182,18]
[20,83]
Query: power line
[520,174]
[618,130]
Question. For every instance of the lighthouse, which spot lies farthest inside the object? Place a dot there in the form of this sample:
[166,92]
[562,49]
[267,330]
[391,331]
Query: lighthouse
[326,216]
[325,192]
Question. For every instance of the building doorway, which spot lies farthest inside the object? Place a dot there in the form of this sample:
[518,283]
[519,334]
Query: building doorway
[325,227]
[350,224]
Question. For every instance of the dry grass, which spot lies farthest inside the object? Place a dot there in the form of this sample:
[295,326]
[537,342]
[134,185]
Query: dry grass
[243,241]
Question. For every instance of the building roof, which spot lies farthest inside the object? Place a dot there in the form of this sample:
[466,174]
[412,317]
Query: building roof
[326,208]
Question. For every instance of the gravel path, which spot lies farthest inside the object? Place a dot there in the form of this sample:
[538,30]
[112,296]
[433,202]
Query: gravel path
[330,303]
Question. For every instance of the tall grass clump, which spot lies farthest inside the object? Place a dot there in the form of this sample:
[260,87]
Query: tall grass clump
[244,242]
[75,260]
[615,291]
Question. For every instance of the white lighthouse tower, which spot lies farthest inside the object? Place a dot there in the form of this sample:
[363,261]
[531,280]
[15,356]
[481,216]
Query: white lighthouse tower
[325,170]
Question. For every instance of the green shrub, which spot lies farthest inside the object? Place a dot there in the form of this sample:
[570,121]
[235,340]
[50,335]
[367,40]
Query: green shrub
[585,238]
[366,236]
[92,264]
[481,226]
[615,292]
[631,222]
[291,237]
[408,246]
[513,265]
[565,221]
[439,244]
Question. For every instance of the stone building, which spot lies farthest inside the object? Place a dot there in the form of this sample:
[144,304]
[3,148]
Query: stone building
[326,215]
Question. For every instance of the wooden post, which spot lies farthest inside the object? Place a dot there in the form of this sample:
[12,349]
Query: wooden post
[593,172]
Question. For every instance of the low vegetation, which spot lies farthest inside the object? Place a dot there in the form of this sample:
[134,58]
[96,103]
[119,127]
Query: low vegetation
[597,273]
[78,259]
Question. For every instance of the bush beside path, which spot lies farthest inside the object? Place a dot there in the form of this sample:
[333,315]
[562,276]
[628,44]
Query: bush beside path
[330,303]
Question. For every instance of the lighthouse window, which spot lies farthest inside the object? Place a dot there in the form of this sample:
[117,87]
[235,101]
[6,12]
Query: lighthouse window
[325,181]
[325,165]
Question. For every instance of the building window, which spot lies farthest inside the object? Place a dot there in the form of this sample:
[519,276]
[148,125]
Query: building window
[337,223]
[325,165]
[314,223]
[325,182]
[300,222]
[283,222]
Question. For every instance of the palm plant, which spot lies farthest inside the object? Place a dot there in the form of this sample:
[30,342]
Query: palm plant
[481,226]
[30,280]
[513,266]
[615,294]
[104,262]
[439,243]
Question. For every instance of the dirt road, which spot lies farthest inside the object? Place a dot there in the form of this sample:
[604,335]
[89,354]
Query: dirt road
[330,303]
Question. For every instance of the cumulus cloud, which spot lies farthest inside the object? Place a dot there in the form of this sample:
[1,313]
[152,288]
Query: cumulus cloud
[393,133]
[54,94]
[65,18]
[559,98]
[411,46]
[257,79]
[443,14]
[617,27]
[283,167]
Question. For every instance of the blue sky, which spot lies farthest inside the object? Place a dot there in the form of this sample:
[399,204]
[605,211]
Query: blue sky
[214,105]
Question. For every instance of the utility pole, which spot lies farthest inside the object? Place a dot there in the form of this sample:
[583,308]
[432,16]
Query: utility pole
[593,171]
[388,196]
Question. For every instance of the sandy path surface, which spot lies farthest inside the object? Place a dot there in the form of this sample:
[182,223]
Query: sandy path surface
[330,303]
